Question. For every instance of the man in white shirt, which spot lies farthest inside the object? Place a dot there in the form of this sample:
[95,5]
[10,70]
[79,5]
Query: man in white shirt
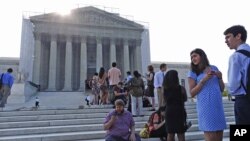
[114,76]
[158,81]
[235,38]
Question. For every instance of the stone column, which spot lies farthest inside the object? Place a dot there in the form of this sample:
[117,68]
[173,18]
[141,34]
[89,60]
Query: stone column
[126,56]
[112,51]
[138,64]
[37,59]
[83,63]
[99,58]
[52,63]
[68,65]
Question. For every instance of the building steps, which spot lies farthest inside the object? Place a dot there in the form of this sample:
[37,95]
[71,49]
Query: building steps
[48,124]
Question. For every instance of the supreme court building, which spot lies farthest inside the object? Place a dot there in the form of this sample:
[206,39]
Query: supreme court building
[60,52]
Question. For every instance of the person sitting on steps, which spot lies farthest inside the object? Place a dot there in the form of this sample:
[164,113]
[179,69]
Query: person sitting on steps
[156,124]
[120,93]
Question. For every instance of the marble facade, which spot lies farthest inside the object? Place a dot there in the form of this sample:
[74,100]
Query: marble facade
[60,52]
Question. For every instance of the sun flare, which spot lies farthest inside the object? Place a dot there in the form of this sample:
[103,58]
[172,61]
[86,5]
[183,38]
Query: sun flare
[64,12]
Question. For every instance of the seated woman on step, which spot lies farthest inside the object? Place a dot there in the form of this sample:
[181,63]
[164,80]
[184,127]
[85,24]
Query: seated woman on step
[156,123]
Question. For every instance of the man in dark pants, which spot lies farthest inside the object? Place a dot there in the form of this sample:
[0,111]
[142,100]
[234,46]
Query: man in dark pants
[235,37]
[7,82]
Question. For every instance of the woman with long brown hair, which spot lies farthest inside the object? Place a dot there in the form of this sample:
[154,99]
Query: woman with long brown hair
[102,77]
[206,83]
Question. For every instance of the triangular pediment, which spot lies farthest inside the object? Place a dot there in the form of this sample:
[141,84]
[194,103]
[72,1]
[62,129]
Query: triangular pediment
[89,16]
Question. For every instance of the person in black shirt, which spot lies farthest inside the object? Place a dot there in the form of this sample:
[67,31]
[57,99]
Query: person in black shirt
[120,93]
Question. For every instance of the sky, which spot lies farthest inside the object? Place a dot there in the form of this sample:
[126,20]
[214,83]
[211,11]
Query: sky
[176,26]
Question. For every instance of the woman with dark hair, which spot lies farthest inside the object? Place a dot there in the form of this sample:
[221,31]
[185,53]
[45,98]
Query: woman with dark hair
[103,86]
[150,85]
[156,124]
[175,96]
[136,87]
[205,82]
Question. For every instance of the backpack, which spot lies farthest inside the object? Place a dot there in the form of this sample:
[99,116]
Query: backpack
[247,87]
[136,87]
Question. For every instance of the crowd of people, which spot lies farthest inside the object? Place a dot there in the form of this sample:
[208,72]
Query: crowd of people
[205,83]
[170,117]
[171,94]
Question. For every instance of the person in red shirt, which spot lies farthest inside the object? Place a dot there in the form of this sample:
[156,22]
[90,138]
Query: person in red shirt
[156,123]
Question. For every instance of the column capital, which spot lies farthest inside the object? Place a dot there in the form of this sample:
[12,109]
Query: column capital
[53,37]
[126,41]
[112,40]
[138,41]
[99,39]
[69,38]
[83,39]
[37,36]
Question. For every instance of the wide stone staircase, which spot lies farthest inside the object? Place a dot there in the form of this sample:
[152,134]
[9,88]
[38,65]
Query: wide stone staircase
[85,124]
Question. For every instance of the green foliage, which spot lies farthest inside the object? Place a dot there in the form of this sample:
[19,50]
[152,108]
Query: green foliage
[225,93]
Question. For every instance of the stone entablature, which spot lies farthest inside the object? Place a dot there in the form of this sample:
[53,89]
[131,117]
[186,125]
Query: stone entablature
[87,22]
[90,16]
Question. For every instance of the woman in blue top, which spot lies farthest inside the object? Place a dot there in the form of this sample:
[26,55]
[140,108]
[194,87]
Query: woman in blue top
[205,82]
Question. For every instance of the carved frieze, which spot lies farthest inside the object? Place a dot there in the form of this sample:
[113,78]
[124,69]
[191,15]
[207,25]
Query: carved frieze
[92,16]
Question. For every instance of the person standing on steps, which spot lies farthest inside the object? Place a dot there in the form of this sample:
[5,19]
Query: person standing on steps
[114,76]
[206,83]
[175,96]
[158,81]
[235,38]
[150,86]
[5,91]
